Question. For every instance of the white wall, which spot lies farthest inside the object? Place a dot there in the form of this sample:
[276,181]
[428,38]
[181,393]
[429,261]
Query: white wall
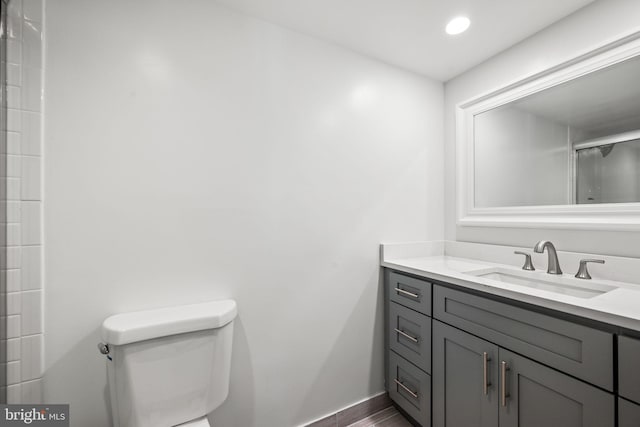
[193,154]
[591,26]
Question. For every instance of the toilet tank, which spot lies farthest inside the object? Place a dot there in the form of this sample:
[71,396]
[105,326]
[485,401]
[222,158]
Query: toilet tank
[169,366]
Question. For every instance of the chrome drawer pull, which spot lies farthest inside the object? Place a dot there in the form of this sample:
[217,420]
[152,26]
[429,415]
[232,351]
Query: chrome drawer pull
[407,293]
[407,389]
[406,335]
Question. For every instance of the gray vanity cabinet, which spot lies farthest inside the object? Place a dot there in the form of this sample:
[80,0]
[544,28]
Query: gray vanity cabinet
[465,379]
[569,347]
[478,384]
[462,359]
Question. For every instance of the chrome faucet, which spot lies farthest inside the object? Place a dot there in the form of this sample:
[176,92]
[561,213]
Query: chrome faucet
[553,266]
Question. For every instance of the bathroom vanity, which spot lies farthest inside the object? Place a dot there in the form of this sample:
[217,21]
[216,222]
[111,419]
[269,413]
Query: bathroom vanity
[467,350]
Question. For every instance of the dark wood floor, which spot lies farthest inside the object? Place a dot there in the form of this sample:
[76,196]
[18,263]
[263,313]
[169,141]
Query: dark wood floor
[389,417]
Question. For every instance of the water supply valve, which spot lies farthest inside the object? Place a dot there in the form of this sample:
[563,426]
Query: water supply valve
[104,349]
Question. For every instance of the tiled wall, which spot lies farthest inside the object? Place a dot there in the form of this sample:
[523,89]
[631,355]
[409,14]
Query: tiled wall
[23,293]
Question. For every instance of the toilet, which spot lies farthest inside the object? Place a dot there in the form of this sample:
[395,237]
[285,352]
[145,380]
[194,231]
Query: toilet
[169,367]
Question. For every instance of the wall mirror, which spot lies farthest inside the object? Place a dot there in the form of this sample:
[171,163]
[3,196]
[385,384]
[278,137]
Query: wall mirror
[559,149]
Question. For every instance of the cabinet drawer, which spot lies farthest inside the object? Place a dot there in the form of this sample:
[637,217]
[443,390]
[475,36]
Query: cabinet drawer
[410,292]
[410,335]
[578,350]
[410,388]
[628,372]
[628,414]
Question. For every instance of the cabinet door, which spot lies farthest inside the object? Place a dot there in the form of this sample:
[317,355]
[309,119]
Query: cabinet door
[465,379]
[535,395]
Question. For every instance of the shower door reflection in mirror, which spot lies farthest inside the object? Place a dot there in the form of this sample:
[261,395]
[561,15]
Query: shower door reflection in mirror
[608,172]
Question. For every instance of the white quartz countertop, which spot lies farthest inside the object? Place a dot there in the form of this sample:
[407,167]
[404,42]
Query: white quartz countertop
[619,307]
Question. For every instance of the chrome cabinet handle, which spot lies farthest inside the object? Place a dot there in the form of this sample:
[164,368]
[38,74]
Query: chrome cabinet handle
[485,381]
[407,293]
[503,373]
[407,389]
[406,335]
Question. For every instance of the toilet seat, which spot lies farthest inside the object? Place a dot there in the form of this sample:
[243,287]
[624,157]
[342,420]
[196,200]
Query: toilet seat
[198,422]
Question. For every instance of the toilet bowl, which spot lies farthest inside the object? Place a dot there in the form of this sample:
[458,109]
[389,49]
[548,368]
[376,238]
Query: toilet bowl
[169,367]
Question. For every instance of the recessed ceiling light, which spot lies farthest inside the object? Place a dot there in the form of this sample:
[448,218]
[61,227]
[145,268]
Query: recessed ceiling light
[458,25]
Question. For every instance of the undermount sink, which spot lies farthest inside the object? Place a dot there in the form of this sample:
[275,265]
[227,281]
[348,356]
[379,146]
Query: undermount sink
[545,282]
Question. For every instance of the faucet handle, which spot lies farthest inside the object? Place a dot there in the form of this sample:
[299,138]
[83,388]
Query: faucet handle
[528,265]
[583,273]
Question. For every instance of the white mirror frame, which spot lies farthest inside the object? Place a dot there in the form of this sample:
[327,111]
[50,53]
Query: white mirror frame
[614,216]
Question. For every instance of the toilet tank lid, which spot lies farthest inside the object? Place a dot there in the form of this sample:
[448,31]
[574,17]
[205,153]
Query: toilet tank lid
[126,328]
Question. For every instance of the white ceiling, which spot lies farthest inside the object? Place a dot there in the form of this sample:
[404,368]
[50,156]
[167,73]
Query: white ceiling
[410,33]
